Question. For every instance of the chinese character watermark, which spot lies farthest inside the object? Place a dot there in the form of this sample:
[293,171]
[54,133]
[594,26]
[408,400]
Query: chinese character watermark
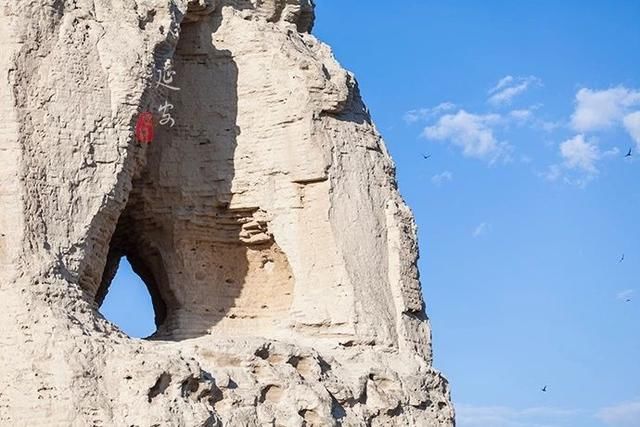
[166,116]
[164,81]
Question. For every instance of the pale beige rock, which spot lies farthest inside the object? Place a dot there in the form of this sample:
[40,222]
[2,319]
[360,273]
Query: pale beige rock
[266,224]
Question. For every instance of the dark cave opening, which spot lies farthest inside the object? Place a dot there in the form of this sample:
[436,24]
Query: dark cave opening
[136,270]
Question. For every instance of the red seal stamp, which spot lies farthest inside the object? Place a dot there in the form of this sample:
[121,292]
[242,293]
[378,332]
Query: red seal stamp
[144,128]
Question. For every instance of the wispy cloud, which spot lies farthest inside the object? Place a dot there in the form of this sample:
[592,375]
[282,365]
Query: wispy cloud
[632,125]
[473,133]
[624,295]
[501,416]
[522,115]
[553,173]
[509,87]
[549,126]
[442,177]
[525,159]
[420,114]
[625,414]
[613,152]
[527,116]
[481,230]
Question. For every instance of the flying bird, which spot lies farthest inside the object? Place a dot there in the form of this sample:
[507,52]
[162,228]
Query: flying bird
[621,259]
[629,153]
[426,156]
[544,389]
[628,300]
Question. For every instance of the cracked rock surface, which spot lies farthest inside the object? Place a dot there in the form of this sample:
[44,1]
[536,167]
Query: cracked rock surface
[266,224]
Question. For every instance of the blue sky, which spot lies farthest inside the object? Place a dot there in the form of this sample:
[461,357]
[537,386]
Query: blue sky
[527,202]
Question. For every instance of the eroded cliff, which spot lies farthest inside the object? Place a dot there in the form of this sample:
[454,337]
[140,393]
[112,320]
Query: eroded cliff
[263,217]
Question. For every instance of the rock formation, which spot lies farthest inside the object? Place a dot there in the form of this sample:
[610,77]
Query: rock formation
[263,217]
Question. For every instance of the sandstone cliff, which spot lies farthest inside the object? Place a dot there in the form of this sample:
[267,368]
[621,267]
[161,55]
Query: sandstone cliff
[263,217]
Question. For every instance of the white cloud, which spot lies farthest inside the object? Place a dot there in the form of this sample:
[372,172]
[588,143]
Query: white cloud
[632,125]
[579,161]
[501,416]
[626,414]
[419,114]
[624,295]
[509,87]
[473,133]
[521,115]
[601,109]
[441,178]
[481,230]
[580,154]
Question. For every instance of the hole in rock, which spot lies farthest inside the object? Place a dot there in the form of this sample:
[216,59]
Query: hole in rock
[128,303]
[209,268]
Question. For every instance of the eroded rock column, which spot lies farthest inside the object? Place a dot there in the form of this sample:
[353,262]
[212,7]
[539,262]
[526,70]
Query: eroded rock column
[265,221]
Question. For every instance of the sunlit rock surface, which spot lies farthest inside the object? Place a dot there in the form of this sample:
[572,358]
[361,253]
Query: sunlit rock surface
[263,217]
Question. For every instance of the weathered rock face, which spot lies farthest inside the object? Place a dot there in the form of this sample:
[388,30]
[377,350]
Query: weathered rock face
[265,222]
